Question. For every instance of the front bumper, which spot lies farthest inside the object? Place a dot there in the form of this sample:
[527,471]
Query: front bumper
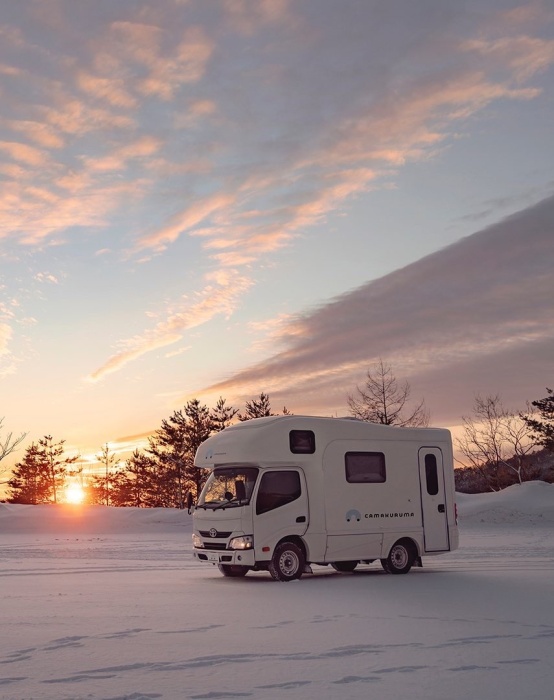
[236,557]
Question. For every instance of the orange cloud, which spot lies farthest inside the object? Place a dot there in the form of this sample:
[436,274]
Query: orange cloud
[5,337]
[111,90]
[219,297]
[184,221]
[23,153]
[40,133]
[523,55]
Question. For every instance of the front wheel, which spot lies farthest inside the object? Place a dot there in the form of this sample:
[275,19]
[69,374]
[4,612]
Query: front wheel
[288,562]
[400,559]
[233,570]
[344,566]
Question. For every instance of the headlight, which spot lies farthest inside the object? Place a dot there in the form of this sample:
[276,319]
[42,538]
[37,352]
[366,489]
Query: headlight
[242,542]
[197,542]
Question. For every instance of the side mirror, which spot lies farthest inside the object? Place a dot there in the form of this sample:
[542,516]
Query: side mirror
[189,501]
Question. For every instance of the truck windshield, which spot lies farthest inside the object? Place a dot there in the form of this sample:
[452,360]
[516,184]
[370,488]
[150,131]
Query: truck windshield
[228,487]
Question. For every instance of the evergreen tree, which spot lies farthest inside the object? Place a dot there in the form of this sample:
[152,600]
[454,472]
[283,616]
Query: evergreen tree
[140,488]
[30,480]
[542,427]
[40,476]
[102,485]
[260,407]
[222,415]
[55,463]
[173,447]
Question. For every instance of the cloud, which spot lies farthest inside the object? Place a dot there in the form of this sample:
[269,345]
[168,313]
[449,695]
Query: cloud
[219,297]
[449,314]
[184,221]
[46,277]
[248,18]
[523,55]
[109,89]
[23,153]
[5,337]
[182,62]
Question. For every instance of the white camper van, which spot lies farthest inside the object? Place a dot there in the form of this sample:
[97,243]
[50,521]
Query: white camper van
[285,492]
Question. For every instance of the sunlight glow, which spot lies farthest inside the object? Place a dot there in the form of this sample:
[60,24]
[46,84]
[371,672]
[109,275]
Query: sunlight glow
[74,494]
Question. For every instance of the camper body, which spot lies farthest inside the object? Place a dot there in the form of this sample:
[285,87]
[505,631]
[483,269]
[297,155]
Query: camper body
[285,492]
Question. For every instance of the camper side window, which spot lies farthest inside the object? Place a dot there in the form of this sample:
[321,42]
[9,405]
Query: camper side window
[431,474]
[277,489]
[365,467]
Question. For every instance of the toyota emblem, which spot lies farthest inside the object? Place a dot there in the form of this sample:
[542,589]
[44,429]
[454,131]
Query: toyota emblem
[213,532]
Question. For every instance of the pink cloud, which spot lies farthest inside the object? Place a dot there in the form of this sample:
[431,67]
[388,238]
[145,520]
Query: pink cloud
[219,297]
[23,153]
[184,221]
[111,90]
[494,318]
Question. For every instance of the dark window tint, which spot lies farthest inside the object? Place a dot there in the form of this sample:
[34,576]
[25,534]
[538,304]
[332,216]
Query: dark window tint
[302,442]
[277,489]
[365,467]
[431,475]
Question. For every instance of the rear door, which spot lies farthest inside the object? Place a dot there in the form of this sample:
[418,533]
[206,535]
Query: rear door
[433,500]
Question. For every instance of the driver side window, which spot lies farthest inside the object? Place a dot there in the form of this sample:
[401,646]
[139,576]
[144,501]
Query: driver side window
[276,489]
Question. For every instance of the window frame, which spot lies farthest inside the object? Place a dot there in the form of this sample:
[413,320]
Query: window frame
[350,478]
[276,500]
[308,435]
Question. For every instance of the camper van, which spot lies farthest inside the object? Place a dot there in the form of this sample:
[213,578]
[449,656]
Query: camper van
[287,492]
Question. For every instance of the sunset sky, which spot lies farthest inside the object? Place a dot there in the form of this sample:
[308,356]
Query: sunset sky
[218,198]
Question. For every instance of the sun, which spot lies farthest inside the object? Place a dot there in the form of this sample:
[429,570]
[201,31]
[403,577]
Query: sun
[75,494]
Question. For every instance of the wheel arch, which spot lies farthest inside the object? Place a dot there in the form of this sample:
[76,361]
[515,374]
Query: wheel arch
[407,540]
[297,540]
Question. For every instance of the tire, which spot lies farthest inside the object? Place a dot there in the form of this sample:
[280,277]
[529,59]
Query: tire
[344,566]
[288,562]
[233,570]
[401,558]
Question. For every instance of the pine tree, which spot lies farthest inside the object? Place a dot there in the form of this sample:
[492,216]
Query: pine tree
[173,448]
[102,485]
[222,415]
[30,480]
[56,465]
[40,476]
[543,426]
[139,489]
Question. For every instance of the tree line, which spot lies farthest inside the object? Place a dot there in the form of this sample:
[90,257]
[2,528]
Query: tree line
[162,475]
[497,447]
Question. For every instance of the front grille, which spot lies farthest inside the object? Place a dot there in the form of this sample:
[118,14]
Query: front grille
[206,533]
[215,545]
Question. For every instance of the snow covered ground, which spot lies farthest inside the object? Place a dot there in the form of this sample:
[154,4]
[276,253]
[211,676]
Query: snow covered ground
[109,603]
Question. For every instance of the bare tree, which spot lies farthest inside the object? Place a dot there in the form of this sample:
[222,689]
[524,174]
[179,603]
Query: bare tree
[496,441]
[383,400]
[9,443]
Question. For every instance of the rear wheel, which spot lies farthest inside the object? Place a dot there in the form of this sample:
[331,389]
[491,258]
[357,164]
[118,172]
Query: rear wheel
[233,570]
[401,557]
[288,562]
[344,566]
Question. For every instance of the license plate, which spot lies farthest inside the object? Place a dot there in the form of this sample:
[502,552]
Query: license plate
[213,557]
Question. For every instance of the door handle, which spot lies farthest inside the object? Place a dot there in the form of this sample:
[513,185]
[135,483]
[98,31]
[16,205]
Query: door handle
[441,508]
[301,519]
